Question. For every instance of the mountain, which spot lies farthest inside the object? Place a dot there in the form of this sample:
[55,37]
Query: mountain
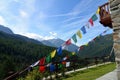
[5,29]
[9,33]
[51,42]
[102,46]
[58,42]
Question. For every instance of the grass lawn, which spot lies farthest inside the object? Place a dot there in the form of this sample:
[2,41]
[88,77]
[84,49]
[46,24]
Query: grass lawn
[90,74]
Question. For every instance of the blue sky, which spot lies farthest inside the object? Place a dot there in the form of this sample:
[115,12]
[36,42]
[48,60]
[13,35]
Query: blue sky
[47,19]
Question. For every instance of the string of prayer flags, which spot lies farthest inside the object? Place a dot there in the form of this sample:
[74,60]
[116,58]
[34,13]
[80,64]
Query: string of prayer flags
[91,21]
[79,34]
[67,64]
[68,42]
[35,64]
[94,17]
[98,10]
[53,54]
[42,61]
[42,69]
[83,29]
[59,50]
[48,59]
[74,38]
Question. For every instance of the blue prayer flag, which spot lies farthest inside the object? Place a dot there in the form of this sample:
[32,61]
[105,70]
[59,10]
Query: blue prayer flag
[52,68]
[59,50]
[83,29]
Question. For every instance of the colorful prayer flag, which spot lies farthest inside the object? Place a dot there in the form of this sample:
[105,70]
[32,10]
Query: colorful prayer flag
[48,59]
[65,58]
[91,21]
[60,66]
[98,10]
[79,34]
[52,68]
[35,64]
[59,50]
[42,69]
[74,38]
[63,62]
[94,17]
[83,29]
[73,53]
[67,64]
[53,54]
[68,42]
[42,61]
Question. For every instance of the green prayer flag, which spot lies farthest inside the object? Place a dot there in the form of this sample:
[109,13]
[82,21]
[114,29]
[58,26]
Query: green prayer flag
[74,38]
[60,66]
[94,17]
[48,59]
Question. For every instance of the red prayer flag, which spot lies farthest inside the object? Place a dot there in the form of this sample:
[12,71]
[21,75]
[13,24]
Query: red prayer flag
[91,21]
[63,62]
[42,69]
[42,61]
[68,42]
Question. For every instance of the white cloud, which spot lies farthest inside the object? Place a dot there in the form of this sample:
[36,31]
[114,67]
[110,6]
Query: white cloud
[53,33]
[16,0]
[81,6]
[23,14]
[39,37]
[33,35]
[2,21]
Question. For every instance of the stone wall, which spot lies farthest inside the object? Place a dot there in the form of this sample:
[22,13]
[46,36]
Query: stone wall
[115,15]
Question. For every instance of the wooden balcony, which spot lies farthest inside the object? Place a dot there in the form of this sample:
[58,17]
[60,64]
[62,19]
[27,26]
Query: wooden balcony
[105,17]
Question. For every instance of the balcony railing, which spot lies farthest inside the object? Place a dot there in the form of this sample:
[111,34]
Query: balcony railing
[105,17]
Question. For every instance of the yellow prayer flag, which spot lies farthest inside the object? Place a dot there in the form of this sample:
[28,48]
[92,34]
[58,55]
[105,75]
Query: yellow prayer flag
[73,53]
[98,10]
[53,53]
[79,34]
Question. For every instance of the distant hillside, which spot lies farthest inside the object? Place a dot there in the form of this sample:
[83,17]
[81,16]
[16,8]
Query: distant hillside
[18,52]
[5,29]
[58,42]
[100,47]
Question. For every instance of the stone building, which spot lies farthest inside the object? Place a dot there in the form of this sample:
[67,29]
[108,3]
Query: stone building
[115,16]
